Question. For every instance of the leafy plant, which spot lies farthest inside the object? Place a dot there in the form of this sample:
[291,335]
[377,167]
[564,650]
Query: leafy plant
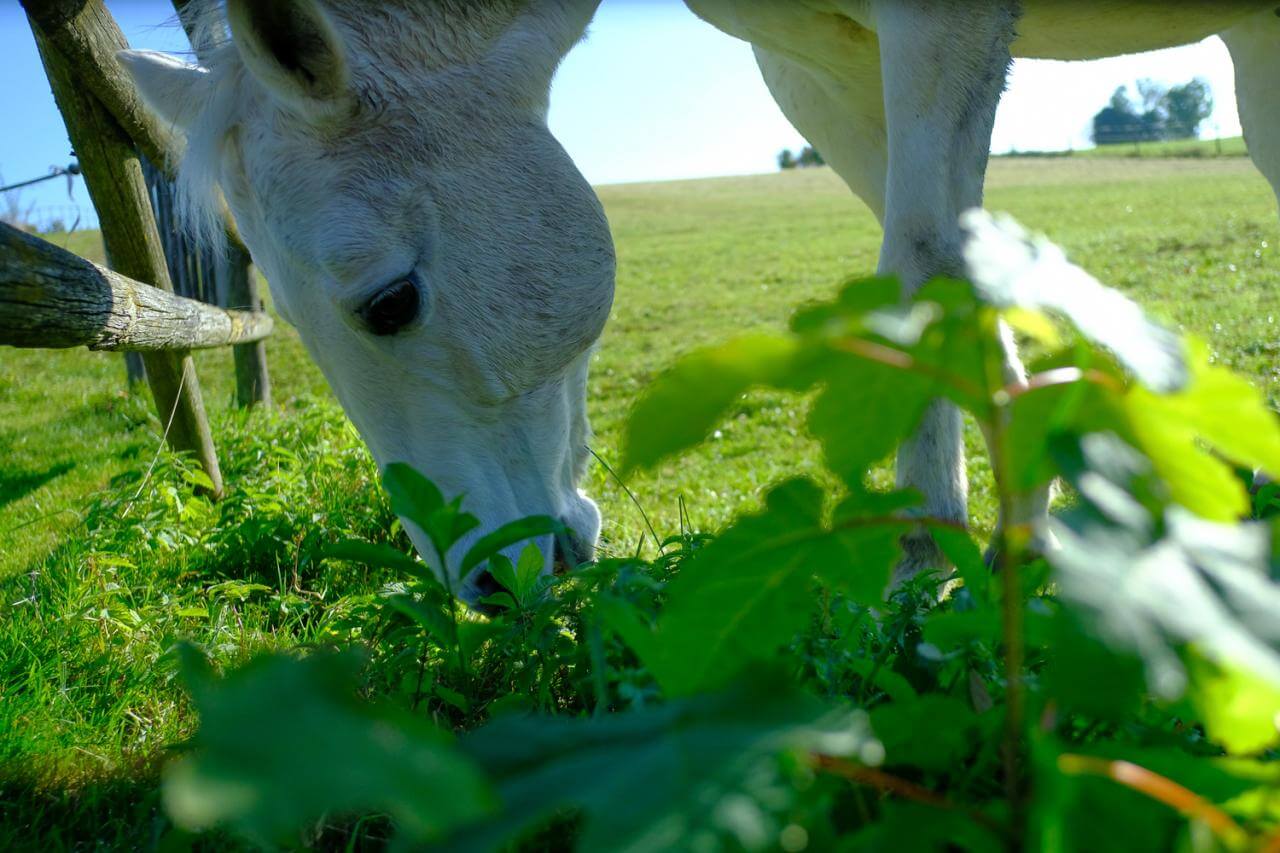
[1114,683]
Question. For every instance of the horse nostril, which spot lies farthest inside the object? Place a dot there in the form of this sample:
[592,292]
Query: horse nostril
[565,555]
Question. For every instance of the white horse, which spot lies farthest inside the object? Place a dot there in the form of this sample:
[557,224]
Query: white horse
[390,167]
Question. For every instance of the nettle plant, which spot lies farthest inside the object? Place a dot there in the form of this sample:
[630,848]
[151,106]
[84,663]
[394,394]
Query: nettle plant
[1112,682]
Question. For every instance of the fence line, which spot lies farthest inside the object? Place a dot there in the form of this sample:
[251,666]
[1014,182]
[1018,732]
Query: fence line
[107,124]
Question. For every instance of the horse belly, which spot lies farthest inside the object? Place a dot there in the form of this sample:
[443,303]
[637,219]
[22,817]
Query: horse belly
[1093,29]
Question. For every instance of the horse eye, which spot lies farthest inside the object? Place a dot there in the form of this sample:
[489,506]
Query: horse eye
[392,308]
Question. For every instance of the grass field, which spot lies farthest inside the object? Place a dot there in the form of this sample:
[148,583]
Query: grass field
[1232,146]
[87,702]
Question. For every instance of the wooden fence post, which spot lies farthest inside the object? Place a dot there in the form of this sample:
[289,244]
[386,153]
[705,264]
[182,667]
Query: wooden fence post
[113,175]
[134,370]
[253,383]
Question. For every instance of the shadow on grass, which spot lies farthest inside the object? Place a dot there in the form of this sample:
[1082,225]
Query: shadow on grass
[125,813]
[17,485]
[117,813]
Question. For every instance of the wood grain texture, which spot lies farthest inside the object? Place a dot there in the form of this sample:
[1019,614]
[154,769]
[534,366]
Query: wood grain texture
[53,299]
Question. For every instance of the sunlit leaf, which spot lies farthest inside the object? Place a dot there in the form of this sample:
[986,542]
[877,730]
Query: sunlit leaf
[681,406]
[1239,710]
[864,411]
[1149,577]
[1188,434]
[1015,269]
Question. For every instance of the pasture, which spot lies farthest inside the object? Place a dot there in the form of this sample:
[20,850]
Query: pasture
[106,559]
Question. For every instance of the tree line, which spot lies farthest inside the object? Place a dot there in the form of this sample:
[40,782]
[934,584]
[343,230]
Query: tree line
[806,157]
[1157,113]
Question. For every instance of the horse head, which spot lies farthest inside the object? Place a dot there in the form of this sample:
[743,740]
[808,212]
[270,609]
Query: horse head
[390,168]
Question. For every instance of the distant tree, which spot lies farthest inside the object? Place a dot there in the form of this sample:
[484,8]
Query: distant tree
[1158,113]
[1118,121]
[1150,94]
[809,156]
[1151,118]
[1186,107]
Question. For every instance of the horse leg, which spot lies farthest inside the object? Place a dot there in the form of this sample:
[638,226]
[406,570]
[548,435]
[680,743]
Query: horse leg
[943,77]
[840,112]
[1255,51]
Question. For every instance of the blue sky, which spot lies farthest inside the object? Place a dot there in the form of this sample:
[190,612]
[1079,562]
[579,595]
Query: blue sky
[653,94]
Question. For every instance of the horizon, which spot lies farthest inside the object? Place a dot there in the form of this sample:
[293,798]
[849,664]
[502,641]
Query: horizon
[653,94]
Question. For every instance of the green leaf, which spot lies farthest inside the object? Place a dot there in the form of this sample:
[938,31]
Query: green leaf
[622,618]
[864,412]
[284,741]
[1148,578]
[198,478]
[520,581]
[372,554]
[952,629]
[907,827]
[413,496]
[417,500]
[507,535]
[1044,412]
[1012,268]
[933,732]
[1085,674]
[1239,710]
[856,298]
[681,406]
[1217,416]
[1079,809]
[528,572]
[748,592]
[430,615]
[961,551]
[656,779]
[502,570]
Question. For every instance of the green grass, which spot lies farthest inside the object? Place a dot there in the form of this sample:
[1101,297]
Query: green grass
[1232,146]
[106,561]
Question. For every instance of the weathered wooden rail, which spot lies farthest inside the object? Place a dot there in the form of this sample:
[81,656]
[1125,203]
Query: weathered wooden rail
[50,298]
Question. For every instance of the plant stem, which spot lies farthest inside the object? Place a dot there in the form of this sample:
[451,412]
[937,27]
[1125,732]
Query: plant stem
[1009,543]
[891,784]
[422,672]
[452,604]
[1015,695]
[1159,788]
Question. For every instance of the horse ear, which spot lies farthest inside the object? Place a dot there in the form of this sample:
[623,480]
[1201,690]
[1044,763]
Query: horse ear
[168,86]
[531,50]
[291,47]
